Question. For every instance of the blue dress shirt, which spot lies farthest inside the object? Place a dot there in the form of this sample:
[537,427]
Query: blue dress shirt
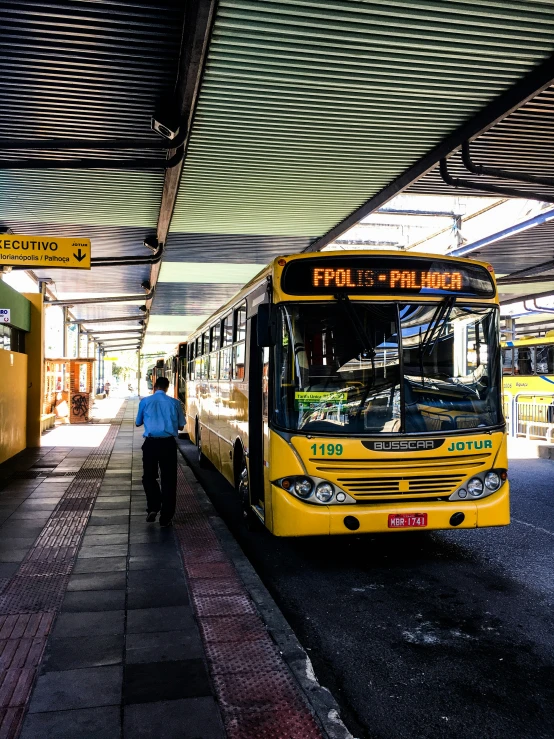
[162,416]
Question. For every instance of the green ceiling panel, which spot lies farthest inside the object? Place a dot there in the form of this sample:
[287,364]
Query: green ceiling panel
[307,108]
[103,197]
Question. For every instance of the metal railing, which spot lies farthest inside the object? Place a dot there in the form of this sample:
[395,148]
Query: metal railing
[529,418]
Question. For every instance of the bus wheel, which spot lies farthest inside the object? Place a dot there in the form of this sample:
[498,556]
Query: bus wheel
[249,517]
[201,458]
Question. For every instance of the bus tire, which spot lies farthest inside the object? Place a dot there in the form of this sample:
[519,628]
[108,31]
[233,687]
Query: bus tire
[250,519]
[201,457]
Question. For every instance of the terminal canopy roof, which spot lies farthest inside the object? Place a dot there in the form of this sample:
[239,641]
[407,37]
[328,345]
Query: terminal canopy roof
[295,119]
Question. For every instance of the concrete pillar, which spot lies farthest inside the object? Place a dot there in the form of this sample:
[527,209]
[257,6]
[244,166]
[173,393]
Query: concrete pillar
[34,347]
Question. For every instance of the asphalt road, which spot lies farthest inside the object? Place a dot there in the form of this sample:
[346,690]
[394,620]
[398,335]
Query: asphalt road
[423,635]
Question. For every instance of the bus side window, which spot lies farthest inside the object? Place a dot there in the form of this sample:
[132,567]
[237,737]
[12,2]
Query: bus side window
[524,360]
[214,366]
[240,323]
[544,359]
[240,342]
[238,361]
[225,364]
[191,348]
[227,330]
[215,334]
[507,361]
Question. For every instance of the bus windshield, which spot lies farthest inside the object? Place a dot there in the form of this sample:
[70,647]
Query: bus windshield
[350,367]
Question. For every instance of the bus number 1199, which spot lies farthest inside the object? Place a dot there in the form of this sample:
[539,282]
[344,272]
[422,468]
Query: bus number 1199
[327,449]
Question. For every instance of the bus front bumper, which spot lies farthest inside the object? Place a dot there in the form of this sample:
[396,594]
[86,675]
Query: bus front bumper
[293,517]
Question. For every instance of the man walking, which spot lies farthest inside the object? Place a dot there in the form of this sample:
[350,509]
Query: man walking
[162,418]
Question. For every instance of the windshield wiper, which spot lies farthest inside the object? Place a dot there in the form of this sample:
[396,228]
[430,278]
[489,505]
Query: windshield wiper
[435,329]
[438,324]
[363,339]
[368,350]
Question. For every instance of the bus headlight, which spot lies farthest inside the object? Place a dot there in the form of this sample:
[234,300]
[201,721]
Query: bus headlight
[303,487]
[314,490]
[475,487]
[492,481]
[324,492]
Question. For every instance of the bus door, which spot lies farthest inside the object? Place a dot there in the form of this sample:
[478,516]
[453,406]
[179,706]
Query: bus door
[255,415]
[181,378]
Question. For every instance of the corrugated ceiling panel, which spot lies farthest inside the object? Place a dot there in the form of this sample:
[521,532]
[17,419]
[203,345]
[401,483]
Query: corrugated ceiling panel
[106,281]
[85,69]
[237,248]
[106,241]
[173,299]
[520,251]
[309,108]
[102,310]
[522,142]
[93,197]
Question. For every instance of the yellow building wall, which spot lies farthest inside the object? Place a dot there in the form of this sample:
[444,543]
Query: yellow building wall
[34,347]
[13,403]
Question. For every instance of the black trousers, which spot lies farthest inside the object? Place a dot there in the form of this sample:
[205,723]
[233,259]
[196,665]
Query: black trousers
[159,459]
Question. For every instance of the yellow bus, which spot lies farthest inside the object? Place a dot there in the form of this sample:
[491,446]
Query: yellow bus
[528,384]
[528,365]
[356,392]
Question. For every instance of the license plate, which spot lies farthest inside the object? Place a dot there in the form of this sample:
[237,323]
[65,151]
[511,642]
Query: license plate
[408,521]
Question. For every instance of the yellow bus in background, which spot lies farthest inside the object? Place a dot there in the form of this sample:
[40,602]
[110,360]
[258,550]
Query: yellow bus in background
[528,365]
[356,392]
[528,384]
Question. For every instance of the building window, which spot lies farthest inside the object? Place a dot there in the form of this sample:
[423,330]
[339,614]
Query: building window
[12,339]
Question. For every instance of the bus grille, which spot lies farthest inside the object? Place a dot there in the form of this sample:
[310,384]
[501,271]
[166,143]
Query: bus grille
[385,488]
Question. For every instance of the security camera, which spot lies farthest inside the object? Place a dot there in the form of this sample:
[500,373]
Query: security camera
[151,242]
[165,127]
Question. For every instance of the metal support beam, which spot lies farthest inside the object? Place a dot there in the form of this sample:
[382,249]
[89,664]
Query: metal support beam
[501,190]
[502,174]
[522,327]
[138,317]
[89,301]
[406,212]
[141,163]
[543,217]
[65,326]
[536,81]
[523,298]
[117,331]
[522,273]
[197,28]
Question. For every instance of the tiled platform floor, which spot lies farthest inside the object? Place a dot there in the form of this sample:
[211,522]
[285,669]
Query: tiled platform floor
[98,637]
[124,657]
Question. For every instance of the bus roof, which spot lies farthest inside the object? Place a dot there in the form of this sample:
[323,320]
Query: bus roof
[277,262]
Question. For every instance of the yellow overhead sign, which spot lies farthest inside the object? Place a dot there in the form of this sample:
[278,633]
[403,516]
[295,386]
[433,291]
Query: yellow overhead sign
[44,251]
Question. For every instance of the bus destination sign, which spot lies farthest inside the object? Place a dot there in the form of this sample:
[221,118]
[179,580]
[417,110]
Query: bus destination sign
[385,276]
[394,279]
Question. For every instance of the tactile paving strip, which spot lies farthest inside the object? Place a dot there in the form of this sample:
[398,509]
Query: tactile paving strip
[30,599]
[256,692]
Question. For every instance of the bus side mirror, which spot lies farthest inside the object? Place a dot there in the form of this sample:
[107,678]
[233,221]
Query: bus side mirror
[267,325]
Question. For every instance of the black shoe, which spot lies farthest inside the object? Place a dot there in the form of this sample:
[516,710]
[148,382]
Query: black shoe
[151,516]
[165,524]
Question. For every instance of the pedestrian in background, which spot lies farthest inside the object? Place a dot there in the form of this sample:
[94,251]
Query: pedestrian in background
[162,418]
